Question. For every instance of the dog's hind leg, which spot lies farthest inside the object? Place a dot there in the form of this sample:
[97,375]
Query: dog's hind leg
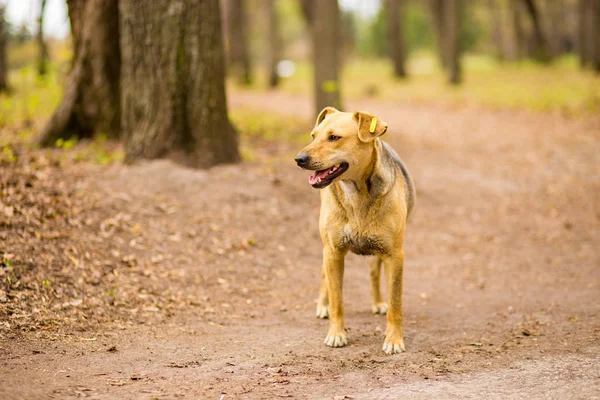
[378,305]
[323,301]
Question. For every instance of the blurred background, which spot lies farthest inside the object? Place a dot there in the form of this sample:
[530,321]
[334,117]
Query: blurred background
[533,54]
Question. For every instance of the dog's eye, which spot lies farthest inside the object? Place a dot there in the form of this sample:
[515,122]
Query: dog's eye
[333,138]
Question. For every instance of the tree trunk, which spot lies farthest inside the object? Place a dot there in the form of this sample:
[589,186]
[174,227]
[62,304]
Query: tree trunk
[239,54]
[274,43]
[556,11]
[596,36]
[395,37]
[91,97]
[308,7]
[542,51]
[3,50]
[439,25]
[518,26]
[589,28]
[173,82]
[325,34]
[452,19]
[497,35]
[43,48]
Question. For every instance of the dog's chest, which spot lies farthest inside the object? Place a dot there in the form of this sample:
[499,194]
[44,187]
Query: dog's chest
[360,242]
[359,233]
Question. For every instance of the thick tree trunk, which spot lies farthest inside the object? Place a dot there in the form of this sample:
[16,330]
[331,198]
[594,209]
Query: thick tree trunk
[395,37]
[542,51]
[274,43]
[452,17]
[497,34]
[439,24]
[325,34]
[173,83]
[43,48]
[91,97]
[3,50]
[239,53]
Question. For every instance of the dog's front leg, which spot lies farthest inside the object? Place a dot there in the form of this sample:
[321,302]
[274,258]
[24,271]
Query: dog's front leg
[333,263]
[394,267]
[323,301]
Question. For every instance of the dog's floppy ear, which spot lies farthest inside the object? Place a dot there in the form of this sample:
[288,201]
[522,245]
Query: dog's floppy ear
[324,113]
[369,126]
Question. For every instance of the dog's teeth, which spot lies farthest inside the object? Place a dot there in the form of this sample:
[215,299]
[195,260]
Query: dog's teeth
[319,180]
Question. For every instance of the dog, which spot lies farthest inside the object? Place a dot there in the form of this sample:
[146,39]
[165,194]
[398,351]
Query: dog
[367,198]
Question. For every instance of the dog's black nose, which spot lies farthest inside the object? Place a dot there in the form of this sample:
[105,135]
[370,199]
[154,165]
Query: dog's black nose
[301,159]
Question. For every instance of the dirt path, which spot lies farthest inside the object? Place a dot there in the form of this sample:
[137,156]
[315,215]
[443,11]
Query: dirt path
[502,277]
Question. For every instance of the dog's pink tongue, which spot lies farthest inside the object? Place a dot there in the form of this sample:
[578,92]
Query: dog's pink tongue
[314,178]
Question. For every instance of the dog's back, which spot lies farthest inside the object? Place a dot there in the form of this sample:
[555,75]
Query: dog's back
[411,195]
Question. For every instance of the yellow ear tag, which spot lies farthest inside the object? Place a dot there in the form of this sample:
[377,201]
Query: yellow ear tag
[373,125]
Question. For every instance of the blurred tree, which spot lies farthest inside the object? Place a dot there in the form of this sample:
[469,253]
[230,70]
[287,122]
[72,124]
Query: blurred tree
[43,48]
[452,20]
[325,17]
[541,49]
[556,13]
[91,96]
[439,25]
[3,51]
[498,36]
[237,31]
[274,38]
[173,82]
[589,33]
[395,24]
[519,33]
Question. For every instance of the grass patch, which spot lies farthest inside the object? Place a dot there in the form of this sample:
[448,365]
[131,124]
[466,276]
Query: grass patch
[561,86]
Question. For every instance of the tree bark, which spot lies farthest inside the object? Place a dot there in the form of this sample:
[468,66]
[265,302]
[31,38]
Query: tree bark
[91,96]
[395,37]
[497,34]
[439,24]
[173,82]
[325,34]
[308,10]
[556,12]
[452,19]
[3,50]
[274,43]
[239,54]
[542,51]
[518,26]
[589,29]
[43,48]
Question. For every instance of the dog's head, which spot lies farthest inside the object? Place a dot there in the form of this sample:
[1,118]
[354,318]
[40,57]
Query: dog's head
[342,145]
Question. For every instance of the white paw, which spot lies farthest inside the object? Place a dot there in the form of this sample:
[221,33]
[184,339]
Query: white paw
[336,340]
[393,348]
[379,308]
[322,311]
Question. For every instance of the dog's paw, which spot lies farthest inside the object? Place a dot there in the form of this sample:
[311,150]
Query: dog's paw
[393,345]
[379,308]
[322,311]
[336,340]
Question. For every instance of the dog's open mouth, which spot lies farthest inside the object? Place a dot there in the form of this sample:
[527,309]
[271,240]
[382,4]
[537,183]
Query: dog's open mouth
[323,178]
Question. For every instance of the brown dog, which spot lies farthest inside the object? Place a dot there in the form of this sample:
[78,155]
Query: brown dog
[367,200]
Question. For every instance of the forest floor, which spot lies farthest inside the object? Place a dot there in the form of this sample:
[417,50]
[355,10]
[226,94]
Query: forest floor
[155,281]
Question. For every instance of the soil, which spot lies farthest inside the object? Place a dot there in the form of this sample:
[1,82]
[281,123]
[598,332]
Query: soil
[155,281]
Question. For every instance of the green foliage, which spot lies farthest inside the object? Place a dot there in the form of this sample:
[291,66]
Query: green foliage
[417,29]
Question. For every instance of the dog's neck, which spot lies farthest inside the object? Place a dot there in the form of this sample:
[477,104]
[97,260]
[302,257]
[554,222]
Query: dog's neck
[372,181]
